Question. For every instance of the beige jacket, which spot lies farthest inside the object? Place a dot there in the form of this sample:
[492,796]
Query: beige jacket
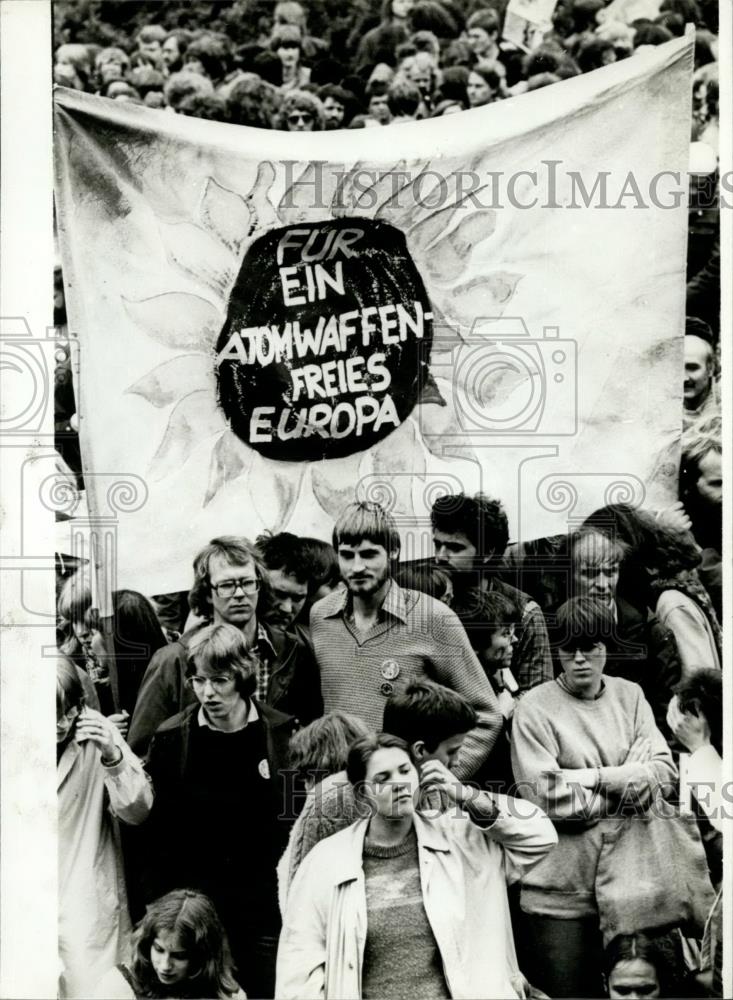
[464,870]
[94,925]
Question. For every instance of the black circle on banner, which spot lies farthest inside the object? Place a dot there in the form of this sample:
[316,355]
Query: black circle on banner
[327,340]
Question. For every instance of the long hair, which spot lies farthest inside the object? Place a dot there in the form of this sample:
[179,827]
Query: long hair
[136,635]
[192,918]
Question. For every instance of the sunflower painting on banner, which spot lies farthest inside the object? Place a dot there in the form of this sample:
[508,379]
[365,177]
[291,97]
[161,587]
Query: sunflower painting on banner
[273,324]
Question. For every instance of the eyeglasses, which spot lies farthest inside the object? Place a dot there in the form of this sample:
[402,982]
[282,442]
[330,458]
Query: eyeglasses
[296,118]
[218,683]
[228,588]
[581,646]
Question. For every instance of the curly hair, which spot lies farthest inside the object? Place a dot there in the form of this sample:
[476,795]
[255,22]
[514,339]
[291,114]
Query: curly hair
[233,549]
[301,100]
[178,86]
[651,546]
[482,613]
[253,101]
[482,520]
[213,51]
[285,552]
[192,918]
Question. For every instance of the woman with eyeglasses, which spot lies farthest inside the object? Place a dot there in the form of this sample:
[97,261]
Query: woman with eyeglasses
[98,780]
[179,949]
[218,822]
[584,746]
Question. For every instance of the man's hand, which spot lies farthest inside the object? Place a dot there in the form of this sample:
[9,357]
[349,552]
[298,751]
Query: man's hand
[692,731]
[100,731]
[640,751]
[433,774]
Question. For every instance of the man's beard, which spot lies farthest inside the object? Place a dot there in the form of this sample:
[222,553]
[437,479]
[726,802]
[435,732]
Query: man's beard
[370,586]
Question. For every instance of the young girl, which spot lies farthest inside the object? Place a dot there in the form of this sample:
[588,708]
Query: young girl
[179,950]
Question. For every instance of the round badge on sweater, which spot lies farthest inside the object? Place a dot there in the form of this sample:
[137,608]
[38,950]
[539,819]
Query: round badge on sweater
[264,768]
[387,689]
[390,670]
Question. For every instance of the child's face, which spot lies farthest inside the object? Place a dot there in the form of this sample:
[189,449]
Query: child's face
[498,653]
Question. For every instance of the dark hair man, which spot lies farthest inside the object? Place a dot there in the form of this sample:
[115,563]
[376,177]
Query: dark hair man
[216,823]
[432,719]
[374,637]
[470,535]
[230,587]
[288,575]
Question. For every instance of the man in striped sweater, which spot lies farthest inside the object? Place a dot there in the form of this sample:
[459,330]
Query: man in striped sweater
[374,637]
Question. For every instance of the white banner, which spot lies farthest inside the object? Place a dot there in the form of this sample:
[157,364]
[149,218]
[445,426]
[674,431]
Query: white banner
[271,323]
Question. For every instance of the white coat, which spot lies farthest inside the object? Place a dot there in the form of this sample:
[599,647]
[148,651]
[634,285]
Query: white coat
[94,924]
[464,871]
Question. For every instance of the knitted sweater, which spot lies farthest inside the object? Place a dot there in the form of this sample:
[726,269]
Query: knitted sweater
[416,637]
[401,958]
[553,732]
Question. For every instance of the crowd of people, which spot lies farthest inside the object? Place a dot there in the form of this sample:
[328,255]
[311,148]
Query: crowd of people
[339,774]
[326,772]
[372,63]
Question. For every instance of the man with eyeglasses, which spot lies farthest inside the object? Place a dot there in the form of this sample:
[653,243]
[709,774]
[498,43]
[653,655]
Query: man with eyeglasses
[230,586]
[218,821]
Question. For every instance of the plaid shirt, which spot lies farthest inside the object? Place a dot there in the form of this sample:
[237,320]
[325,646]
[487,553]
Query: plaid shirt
[415,637]
[264,655]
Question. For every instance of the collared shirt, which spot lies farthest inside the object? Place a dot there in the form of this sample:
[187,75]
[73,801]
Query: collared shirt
[252,716]
[415,637]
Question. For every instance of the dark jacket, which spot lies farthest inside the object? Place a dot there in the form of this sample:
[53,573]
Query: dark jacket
[647,654]
[295,686]
[168,846]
